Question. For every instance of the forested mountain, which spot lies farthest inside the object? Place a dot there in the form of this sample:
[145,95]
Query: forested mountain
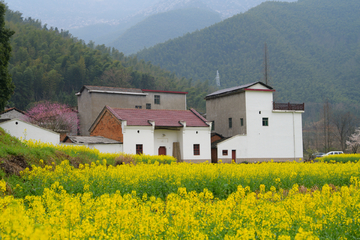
[48,64]
[313,50]
[103,21]
[164,26]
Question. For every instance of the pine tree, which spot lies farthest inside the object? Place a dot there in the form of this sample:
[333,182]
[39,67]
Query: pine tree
[6,85]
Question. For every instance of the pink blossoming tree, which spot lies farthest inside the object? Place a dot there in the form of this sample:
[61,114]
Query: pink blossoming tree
[54,116]
[354,140]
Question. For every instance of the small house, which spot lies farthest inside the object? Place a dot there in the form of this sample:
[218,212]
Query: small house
[27,131]
[184,134]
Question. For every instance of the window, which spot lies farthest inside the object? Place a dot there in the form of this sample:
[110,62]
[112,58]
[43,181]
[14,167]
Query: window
[212,125]
[157,99]
[138,107]
[225,152]
[148,106]
[230,122]
[139,149]
[196,149]
[241,122]
[265,121]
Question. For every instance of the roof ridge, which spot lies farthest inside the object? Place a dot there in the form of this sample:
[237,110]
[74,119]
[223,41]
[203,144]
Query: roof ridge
[198,115]
[143,109]
[113,112]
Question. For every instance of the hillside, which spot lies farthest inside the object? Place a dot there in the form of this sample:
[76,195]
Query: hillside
[313,48]
[48,64]
[164,26]
[108,19]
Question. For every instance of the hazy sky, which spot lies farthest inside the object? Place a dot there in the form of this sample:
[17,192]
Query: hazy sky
[68,14]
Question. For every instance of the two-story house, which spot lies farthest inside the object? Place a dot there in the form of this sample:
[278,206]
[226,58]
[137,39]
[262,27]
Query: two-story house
[254,127]
[92,99]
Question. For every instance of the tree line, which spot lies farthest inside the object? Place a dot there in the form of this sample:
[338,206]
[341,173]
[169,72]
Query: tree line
[313,50]
[50,64]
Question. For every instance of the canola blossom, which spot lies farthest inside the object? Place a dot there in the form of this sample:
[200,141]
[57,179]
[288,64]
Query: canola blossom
[184,201]
[325,214]
[161,179]
[348,157]
[74,149]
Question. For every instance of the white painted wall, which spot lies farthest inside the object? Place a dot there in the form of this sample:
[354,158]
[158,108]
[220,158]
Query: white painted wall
[26,131]
[196,135]
[238,143]
[281,139]
[138,135]
[152,139]
[165,138]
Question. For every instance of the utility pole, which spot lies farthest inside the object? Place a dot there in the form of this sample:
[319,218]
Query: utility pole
[266,70]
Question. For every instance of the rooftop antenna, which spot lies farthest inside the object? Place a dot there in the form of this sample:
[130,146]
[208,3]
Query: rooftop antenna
[217,78]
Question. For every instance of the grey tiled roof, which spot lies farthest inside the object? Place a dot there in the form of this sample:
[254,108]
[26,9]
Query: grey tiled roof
[234,89]
[91,140]
[111,89]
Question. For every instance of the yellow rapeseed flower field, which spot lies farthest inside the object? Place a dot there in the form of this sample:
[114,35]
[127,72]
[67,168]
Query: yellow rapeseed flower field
[185,201]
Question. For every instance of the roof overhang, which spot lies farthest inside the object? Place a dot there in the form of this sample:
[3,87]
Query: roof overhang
[161,91]
[118,92]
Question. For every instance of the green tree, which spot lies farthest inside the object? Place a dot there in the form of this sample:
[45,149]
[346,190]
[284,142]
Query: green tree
[6,85]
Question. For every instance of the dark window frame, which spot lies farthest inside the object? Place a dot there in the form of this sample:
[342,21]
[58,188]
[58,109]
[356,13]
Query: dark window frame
[138,107]
[224,152]
[139,149]
[196,149]
[157,99]
[241,122]
[148,106]
[230,122]
[265,122]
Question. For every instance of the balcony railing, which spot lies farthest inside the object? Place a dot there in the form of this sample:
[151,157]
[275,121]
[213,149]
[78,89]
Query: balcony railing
[289,106]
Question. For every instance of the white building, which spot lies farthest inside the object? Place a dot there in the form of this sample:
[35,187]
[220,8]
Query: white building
[254,127]
[184,134]
[27,131]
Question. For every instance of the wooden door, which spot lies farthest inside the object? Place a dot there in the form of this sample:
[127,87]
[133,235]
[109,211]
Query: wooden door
[214,158]
[233,155]
[162,151]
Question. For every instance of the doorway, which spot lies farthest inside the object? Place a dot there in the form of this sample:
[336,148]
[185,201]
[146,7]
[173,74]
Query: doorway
[233,155]
[162,150]
[214,158]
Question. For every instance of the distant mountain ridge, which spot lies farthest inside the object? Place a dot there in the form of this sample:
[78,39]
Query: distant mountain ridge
[314,50]
[162,27]
[226,8]
[103,21]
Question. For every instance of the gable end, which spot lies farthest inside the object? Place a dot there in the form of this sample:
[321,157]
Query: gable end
[108,126]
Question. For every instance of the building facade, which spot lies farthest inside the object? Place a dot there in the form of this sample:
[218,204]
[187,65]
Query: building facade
[254,127]
[27,131]
[184,134]
[92,99]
